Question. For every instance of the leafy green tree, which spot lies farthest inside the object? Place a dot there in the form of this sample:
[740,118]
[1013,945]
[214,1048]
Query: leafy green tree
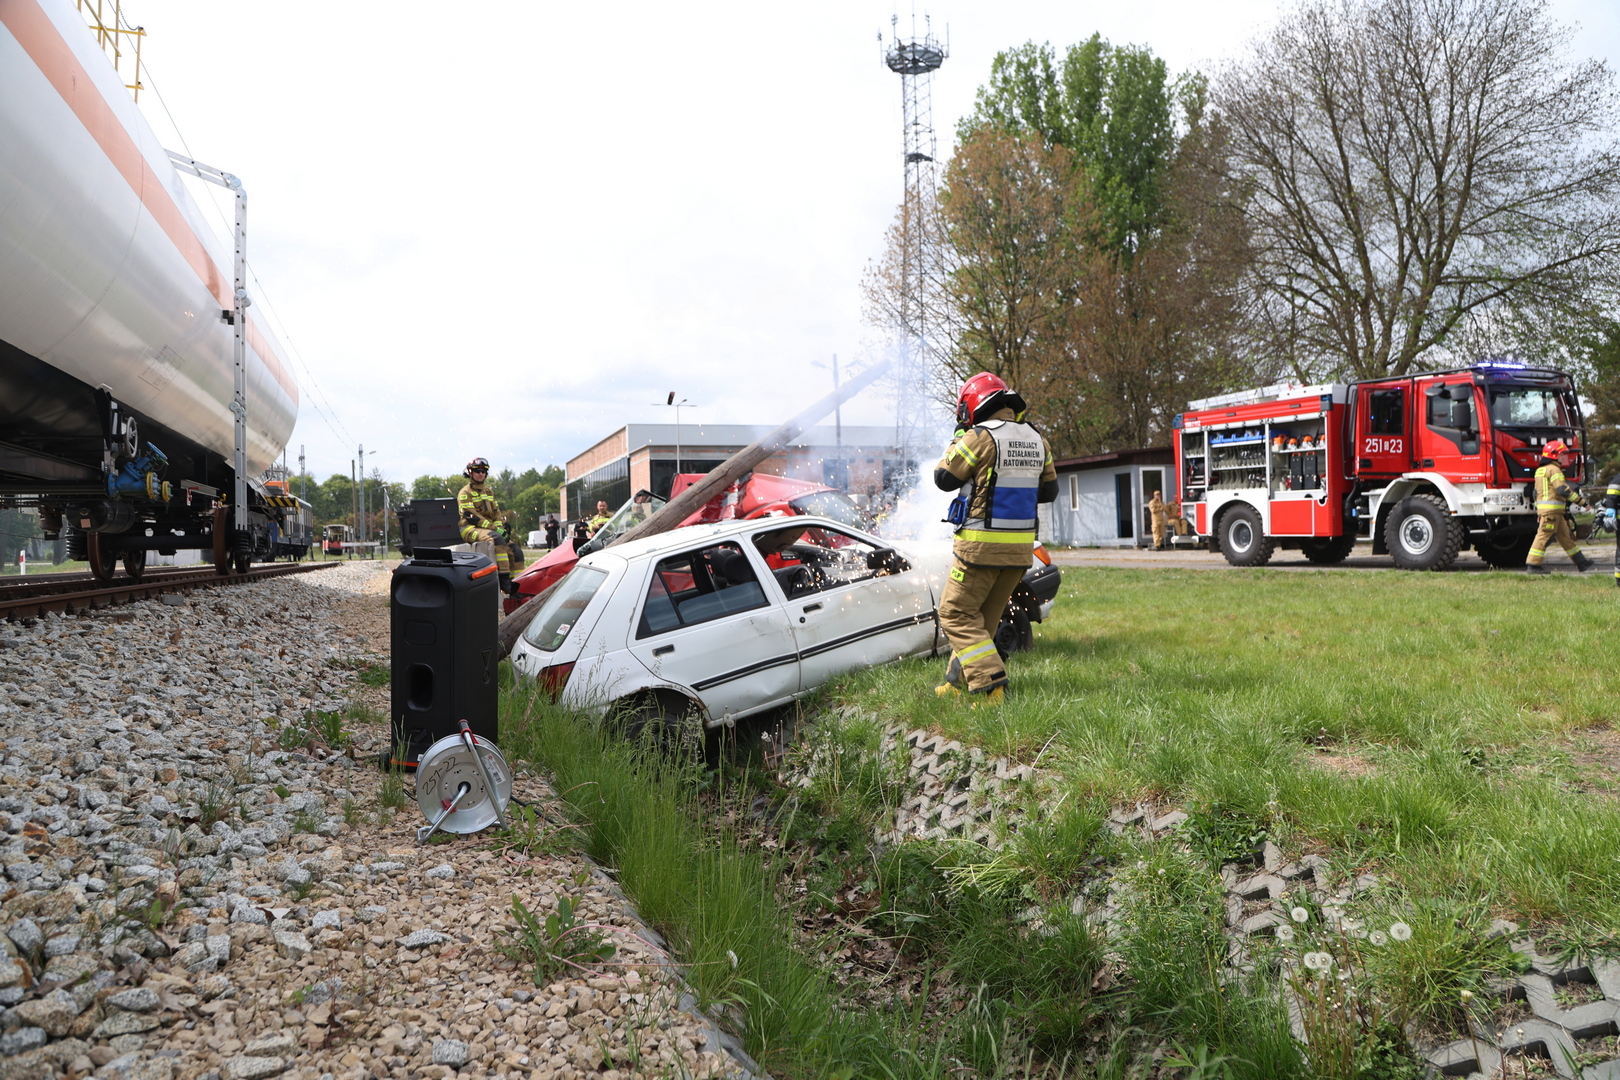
[533,503]
[436,487]
[1112,107]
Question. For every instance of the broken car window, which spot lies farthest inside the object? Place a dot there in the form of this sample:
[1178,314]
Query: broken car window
[812,560]
[697,586]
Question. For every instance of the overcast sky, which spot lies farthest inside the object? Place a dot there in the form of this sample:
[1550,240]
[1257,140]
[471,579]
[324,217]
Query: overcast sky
[507,229]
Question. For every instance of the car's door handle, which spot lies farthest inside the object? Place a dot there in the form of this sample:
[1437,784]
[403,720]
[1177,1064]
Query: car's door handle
[808,608]
[662,649]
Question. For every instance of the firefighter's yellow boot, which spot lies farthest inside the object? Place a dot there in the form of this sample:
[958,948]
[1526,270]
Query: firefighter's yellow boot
[952,686]
[947,690]
[993,696]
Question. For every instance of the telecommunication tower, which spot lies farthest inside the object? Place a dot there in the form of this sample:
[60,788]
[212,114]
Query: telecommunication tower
[915,60]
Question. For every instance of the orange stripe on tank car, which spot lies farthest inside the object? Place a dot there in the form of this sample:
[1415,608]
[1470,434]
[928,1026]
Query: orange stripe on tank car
[39,38]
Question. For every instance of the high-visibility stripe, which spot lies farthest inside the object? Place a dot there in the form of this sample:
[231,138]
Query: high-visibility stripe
[962,450]
[974,652]
[987,536]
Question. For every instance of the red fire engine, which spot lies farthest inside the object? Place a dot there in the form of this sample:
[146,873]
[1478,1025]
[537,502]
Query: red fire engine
[1423,465]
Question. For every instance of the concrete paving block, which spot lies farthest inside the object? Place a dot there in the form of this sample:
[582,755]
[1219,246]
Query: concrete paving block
[1461,1059]
[1126,817]
[1590,1020]
[1543,1040]
[1271,857]
[1168,821]
[1256,886]
[1262,922]
[1607,975]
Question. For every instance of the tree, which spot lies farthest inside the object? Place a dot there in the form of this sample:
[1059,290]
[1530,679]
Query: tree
[1110,106]
[1085,247]
[436,487]
[1416,168]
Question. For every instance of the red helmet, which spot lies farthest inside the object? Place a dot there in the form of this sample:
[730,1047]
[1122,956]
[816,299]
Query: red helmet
[1556,448]
[982,395]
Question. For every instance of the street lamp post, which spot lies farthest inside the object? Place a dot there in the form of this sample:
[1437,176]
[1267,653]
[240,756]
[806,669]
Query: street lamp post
[670,400]
[838,421]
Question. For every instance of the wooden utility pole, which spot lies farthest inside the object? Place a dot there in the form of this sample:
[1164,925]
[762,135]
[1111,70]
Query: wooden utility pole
[728,472]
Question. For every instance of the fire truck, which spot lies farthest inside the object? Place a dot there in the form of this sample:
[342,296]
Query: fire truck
[1424,466]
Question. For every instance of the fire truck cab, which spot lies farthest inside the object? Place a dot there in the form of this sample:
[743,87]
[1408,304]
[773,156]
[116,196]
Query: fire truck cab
[1422,465]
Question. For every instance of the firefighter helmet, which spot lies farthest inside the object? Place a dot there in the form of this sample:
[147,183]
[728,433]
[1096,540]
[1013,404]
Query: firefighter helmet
[1555,448]
[982,395]
[477,464]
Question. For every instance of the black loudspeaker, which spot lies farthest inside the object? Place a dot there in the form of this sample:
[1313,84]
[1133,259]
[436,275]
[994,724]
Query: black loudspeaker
[444,607]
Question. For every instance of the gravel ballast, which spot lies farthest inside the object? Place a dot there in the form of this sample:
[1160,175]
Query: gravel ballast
[189,893]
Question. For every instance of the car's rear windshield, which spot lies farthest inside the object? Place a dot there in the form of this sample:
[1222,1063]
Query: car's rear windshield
[560,611]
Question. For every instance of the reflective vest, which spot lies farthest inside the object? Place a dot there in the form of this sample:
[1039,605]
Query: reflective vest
[1004,512]
[1552,492]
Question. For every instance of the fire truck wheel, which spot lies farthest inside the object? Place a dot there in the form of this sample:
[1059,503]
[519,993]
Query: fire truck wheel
[1242,540]
[1507,552]
[1421,534]
[1329,552]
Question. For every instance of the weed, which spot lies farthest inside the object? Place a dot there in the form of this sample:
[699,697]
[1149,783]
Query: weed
[306,821]
[352,814]
[282,791]
[557,946]
[214,804]
[527,834]
[391,793]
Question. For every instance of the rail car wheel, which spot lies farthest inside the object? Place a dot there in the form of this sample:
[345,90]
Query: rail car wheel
[1243,542]
[103,560]
[222,549]
[1329,552]
[135,564]
[1421,534]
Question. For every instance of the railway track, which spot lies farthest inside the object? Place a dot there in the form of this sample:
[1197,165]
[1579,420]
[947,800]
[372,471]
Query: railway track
[29,599]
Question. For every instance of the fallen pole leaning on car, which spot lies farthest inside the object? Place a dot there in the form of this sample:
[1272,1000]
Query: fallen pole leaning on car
[722,476]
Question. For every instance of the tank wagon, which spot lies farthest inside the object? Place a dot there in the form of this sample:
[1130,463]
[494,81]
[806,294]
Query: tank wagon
[118,316]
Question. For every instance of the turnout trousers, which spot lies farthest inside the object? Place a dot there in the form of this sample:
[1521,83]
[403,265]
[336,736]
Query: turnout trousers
[1553,526]
[473,535]
[969,613]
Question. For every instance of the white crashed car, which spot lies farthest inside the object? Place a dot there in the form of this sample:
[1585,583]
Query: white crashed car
[720,621]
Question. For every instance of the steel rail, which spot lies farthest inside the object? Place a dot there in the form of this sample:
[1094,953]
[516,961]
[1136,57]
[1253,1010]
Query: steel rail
[45,583]
[97,594]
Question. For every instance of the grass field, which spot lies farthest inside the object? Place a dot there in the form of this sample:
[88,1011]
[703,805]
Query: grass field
[1451,730]
[1447,733]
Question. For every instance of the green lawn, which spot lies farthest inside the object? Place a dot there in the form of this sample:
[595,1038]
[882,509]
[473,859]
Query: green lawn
[1447,730]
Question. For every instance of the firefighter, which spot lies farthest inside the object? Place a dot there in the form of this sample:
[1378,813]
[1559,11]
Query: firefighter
[1157,510]
[1177,518]
[1553,498]
[481,519]
[602,517]
[1000,468]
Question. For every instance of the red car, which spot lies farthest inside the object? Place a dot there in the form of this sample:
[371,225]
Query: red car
[763,495]
[760,495]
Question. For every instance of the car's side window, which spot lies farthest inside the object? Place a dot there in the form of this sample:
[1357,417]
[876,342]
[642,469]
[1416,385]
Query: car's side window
[813,560]
[697,586]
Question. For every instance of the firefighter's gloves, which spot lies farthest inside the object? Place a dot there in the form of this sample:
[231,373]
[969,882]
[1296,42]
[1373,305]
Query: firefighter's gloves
[1605,519]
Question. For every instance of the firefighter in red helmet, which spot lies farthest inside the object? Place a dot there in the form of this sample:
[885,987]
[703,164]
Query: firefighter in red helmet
[481,519]
[1553,497]
[1000,468]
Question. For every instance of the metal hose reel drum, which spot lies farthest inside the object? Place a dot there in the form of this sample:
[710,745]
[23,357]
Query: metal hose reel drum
[463,784]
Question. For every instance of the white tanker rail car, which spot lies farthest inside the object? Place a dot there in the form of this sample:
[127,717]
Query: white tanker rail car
[118,320]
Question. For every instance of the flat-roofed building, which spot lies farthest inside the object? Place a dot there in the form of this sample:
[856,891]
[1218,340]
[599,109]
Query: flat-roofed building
[643,457]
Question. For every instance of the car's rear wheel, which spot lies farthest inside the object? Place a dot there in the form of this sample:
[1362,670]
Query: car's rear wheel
[662,720]
[1014,634]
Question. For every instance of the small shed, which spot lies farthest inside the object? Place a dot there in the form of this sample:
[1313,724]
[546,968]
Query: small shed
[1102,498]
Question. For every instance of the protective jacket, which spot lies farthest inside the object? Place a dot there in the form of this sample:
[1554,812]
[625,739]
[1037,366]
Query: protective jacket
[1002,469]
[1553,493]
[476,503]
[1611,498]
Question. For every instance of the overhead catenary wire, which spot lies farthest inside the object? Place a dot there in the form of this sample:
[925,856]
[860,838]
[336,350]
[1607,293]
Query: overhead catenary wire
[328,414]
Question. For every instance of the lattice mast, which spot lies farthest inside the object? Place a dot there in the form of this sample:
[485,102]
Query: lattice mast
[915,60]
